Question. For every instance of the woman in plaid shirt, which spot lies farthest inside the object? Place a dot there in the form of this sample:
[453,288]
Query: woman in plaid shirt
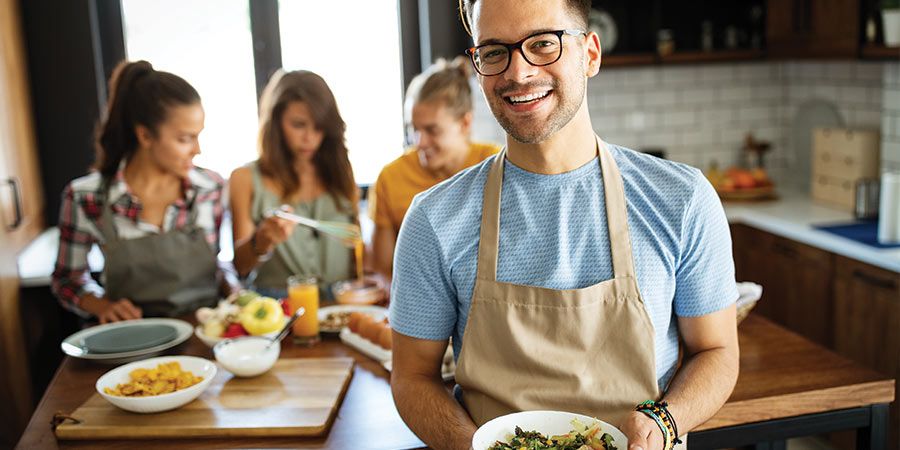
[155,215]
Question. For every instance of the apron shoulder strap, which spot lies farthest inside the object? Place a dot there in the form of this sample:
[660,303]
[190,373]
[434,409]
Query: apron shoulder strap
[489,238]
[106,225]
[616,214]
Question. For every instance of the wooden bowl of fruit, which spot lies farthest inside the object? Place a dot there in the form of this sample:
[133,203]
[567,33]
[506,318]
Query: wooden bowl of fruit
[741,184]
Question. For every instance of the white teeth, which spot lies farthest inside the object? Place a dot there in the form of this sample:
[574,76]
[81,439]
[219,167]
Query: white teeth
[528,97]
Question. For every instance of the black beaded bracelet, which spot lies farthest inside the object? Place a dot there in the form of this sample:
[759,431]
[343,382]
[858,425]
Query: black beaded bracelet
[659,411]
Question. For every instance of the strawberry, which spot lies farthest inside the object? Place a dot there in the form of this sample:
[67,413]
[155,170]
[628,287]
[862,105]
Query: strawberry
[234,330]
[285,307]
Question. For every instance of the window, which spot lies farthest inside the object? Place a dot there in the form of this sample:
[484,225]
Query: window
[208,43]
[355,46]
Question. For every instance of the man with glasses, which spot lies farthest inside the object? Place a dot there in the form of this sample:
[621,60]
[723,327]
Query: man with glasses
[571,290]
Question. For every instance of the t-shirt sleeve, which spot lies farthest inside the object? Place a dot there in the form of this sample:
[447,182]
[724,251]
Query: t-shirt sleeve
[704,278]
[423,300]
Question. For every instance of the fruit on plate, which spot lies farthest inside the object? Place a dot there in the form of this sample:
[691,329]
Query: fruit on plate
[226,319]
[245,296]
[262,315]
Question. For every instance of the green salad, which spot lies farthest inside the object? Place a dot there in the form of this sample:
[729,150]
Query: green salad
[581,437]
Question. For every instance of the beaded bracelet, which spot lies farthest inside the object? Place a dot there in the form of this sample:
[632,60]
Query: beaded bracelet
[667,437]
[659,412]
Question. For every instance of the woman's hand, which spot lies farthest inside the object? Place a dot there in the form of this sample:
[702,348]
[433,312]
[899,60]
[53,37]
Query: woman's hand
[642,432]
[271,232]
[115,311]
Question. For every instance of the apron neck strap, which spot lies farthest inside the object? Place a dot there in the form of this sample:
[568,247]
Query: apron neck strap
[616,214]
[616,210]
[107,227]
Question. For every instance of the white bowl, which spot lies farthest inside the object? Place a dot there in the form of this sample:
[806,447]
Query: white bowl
[245,356]
[163,402]
[212,341]
[546,422]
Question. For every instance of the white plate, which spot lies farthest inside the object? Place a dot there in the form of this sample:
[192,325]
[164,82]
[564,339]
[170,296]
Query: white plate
[157,403]
[74,344]
[377,312]
[545,422]
[365,346]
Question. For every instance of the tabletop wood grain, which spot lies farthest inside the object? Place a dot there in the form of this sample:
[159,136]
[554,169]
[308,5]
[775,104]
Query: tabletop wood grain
[782,375]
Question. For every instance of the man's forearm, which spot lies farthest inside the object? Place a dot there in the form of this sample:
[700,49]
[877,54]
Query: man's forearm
[432,413]
[701,386]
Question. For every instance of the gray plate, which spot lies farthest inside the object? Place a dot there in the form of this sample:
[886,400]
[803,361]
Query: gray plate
[131,338]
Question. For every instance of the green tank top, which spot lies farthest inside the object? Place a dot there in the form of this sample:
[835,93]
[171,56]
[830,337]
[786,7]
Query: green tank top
[306,252]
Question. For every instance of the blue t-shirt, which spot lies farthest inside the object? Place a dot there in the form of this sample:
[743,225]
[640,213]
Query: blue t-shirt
[553,234]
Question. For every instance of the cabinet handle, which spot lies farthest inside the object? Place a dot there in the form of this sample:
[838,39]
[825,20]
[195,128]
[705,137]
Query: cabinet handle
[873,280]
[17,204]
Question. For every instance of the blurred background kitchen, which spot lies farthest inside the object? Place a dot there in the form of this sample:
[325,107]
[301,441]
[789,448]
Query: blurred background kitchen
[792,108]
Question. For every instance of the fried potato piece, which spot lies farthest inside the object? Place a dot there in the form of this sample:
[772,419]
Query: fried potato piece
[165,378]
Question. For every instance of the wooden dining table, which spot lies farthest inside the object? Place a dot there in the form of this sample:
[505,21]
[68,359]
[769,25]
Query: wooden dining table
[788,386]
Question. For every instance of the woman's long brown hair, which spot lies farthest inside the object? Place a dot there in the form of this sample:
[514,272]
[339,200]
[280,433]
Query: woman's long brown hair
[331,161]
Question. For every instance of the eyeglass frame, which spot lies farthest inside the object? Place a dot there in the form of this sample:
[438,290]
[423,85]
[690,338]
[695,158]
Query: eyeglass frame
[510,48]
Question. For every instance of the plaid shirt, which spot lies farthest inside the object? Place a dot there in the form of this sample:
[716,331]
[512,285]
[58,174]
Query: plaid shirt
[82,210]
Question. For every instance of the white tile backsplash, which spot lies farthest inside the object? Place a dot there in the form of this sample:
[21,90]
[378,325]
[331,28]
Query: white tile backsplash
[701,113]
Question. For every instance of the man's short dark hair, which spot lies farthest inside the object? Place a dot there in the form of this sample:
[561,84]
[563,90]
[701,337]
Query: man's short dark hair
[579,8]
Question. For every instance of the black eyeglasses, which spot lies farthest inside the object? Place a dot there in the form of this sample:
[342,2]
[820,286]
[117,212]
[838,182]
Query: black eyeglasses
[539,49]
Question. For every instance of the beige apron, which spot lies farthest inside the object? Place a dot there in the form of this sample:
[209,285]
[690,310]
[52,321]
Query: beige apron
[588,351]
[167,274]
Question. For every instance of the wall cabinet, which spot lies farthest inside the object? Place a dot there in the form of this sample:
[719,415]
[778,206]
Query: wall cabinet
[813,28]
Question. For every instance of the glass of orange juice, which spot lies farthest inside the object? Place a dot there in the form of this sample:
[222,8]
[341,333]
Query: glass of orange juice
[304,292]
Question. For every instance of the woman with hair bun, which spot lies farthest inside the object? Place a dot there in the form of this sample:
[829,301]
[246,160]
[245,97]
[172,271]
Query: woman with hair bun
[303,165]
[439,111]
[155,215]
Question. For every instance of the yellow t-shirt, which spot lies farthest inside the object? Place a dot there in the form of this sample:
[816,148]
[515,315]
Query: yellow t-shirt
[405,177]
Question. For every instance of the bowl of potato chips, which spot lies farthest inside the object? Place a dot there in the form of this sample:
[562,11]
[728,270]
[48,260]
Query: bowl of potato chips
[157,384]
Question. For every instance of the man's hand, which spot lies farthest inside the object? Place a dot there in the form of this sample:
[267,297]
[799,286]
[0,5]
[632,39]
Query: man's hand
[643,433]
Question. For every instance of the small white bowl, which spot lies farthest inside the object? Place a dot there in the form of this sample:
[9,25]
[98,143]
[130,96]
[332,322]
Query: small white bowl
[163,402]
[546,422]
[246,356]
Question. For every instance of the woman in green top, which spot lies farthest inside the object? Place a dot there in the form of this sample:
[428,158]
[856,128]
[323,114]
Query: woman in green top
[302,164]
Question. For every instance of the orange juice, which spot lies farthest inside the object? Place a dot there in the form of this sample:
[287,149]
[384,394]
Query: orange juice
[358,250]
[304,293]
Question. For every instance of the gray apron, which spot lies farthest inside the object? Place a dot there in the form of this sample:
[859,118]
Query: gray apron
[167,274]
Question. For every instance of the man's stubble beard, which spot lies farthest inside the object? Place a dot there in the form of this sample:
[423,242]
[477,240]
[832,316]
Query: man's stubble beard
[529,132]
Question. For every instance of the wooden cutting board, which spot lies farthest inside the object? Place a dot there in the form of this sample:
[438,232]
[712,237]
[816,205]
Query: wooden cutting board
[298,397]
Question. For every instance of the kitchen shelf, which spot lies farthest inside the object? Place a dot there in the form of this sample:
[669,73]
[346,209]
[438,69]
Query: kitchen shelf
[686,57]
[713,56]
[872,51]
[633,59]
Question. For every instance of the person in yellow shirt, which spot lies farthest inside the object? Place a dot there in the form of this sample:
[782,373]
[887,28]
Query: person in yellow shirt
[439,109]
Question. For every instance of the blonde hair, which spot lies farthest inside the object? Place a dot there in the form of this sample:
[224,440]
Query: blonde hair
[445,82]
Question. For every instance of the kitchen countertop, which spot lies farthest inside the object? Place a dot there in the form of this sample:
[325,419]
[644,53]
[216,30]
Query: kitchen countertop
[793,216]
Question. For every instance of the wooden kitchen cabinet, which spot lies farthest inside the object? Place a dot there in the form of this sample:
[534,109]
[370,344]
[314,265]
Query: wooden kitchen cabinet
[848,306]
[867,322]
[21,219]
[813,28]
[796,280]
